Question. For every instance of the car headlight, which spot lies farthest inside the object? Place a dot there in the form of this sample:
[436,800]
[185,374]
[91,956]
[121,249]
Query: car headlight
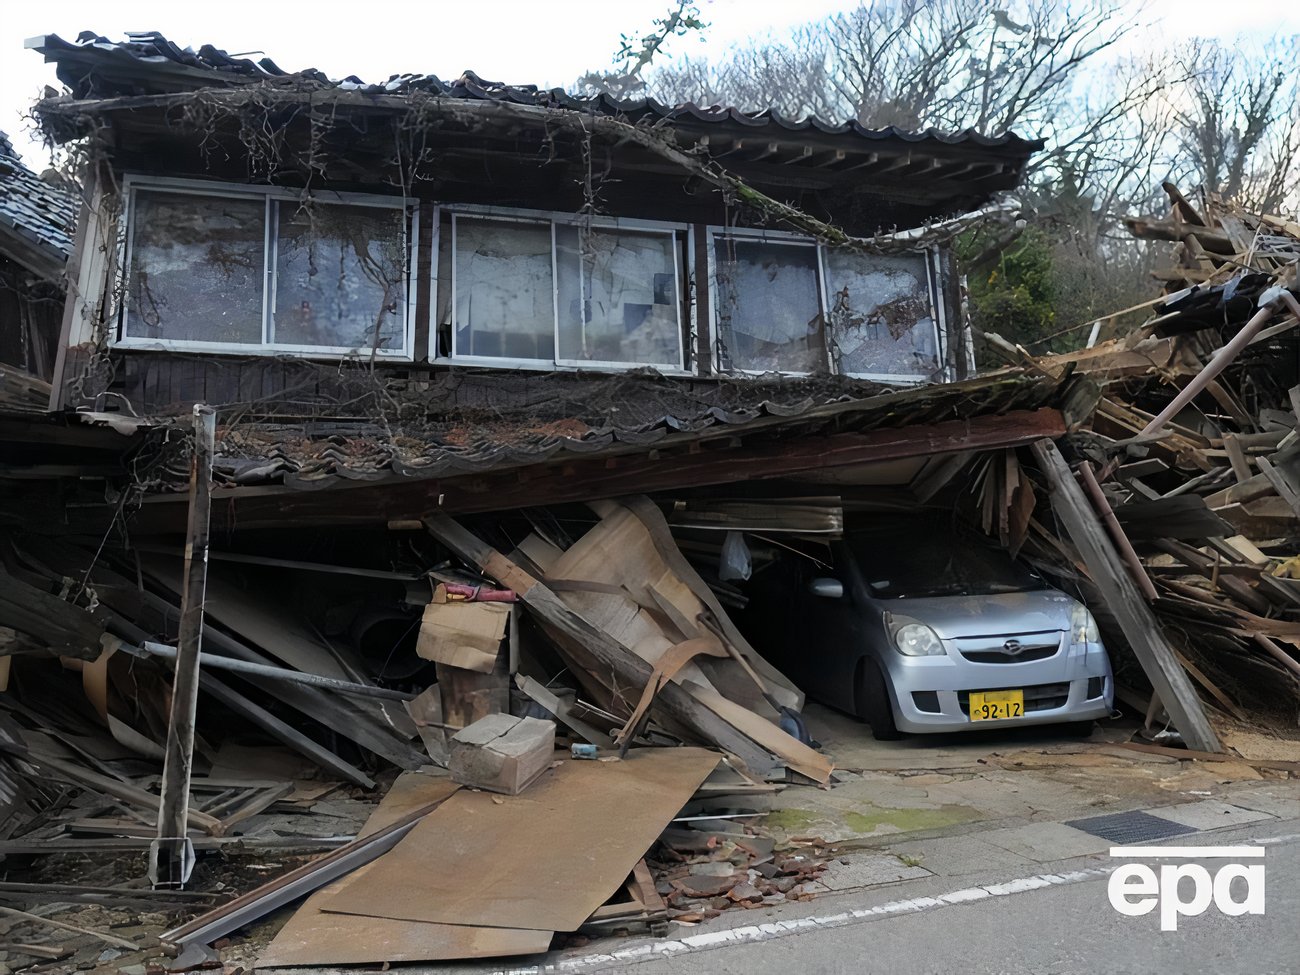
[916,639]
[1083,628]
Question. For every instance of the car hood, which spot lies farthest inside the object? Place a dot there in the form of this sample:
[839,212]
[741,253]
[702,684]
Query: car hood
[1003,614]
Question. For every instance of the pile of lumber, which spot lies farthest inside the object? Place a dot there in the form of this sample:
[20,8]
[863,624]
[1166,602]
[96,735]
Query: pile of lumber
[1193,465]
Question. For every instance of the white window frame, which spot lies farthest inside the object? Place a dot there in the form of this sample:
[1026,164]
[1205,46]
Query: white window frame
[554,218]
[930,258]
[899,379]
[715,290]
[270,244]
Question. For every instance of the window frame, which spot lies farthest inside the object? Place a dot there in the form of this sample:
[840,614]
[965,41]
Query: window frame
[679,233]
[928,255]
[785,237]
[271,196]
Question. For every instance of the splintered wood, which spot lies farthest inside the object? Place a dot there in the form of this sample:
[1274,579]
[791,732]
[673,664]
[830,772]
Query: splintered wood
[621,600]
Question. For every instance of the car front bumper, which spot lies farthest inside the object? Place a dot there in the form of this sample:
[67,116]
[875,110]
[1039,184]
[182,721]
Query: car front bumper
[930,694]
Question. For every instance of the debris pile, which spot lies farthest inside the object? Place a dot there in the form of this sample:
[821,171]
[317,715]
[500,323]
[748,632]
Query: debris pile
[460,667]
[1192,461]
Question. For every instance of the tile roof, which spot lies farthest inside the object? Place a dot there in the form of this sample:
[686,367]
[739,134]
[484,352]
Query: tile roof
[148,63]
[38,216]
[474,424]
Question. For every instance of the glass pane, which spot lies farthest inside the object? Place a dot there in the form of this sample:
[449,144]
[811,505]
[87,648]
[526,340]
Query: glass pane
[881,319]
[768,305]
[341,277]
[627,311]
[505,296]
[196,268]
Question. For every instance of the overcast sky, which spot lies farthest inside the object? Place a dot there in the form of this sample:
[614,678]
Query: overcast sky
[544,42]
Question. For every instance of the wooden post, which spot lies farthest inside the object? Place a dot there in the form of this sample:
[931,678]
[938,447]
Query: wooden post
[1125,601]
[171,856]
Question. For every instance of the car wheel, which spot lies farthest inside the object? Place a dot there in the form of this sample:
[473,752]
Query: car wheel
[873,702]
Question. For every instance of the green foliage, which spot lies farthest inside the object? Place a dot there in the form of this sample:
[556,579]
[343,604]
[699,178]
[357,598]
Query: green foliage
[1015,295]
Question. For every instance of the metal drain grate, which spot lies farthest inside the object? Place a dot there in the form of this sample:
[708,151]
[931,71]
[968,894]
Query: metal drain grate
[1130,827]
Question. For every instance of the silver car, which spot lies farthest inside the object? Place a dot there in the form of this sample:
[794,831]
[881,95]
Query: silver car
[916,627]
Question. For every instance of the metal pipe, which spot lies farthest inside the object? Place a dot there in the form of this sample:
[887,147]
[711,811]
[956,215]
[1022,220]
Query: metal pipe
[274,673]
[1269,301]
[171,857]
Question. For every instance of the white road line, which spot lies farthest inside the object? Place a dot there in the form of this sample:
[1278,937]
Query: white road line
[754,933]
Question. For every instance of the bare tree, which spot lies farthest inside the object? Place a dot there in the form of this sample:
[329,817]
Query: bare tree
[1237,128]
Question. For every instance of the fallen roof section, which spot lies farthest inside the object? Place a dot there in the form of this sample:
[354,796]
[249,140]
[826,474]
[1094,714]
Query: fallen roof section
[36,217]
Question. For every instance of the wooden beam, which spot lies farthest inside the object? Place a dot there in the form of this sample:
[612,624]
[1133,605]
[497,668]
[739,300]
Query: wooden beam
[171,857]
[1123,599]
[607,476]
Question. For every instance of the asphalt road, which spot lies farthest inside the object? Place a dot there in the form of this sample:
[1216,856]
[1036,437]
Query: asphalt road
[1052,930]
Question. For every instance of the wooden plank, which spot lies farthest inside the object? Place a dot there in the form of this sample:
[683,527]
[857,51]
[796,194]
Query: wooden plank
[1125,601]
[597,820]
[1238,459]
[291,736]
[1282,484]
[1189,754]
[542,695]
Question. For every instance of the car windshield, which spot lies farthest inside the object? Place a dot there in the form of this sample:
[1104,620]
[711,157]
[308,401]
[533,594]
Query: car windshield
[905,560]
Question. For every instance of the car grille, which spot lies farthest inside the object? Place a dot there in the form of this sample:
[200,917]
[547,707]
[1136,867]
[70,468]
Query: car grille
[1025,647]
[1039,697]
[1002,657]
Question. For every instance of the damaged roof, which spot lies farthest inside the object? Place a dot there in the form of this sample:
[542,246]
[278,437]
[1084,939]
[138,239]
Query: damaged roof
[474,423]
[36,217]
[93,66]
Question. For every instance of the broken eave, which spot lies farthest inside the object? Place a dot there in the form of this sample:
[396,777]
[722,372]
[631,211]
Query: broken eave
[367,479]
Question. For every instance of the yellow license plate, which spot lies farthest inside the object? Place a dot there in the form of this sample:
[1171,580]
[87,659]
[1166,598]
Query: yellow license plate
[990,705]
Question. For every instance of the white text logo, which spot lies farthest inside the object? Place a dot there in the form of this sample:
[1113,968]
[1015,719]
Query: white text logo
[1136,889]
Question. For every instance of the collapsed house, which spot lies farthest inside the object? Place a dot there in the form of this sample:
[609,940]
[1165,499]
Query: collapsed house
[419,405]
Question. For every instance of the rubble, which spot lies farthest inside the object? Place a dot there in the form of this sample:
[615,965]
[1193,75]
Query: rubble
[358,680]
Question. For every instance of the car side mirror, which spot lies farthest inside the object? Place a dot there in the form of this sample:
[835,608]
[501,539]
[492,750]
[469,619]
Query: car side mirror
[827,588]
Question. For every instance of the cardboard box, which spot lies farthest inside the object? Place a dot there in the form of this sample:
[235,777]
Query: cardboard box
[502,753]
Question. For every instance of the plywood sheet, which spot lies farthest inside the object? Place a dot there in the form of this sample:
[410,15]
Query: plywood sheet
[312,937]
[543,860]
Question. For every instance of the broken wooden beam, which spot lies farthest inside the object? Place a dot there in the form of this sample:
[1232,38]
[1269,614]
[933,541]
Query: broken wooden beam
[1125,601]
